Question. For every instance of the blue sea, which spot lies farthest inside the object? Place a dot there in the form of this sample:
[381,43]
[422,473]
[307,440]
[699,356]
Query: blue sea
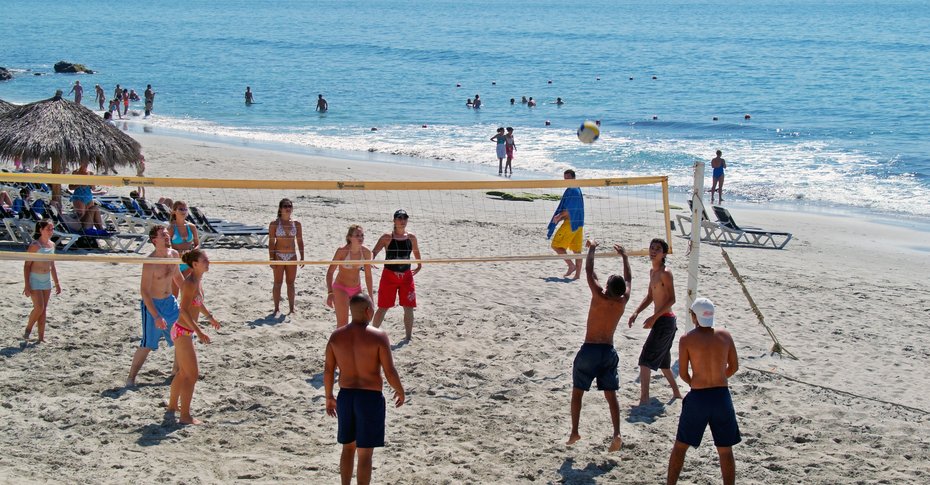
[837,91]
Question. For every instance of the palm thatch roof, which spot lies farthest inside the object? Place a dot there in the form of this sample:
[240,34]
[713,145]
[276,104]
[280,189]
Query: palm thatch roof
[5,106]
[65,132]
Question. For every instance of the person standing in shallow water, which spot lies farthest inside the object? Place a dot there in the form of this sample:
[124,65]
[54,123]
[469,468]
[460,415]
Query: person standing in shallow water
[78,91]
[719,165]
[501,149]
[321,104]
[597,358]
[248,96]
[100,96]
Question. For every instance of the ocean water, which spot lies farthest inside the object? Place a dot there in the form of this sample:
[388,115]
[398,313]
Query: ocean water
[837,90]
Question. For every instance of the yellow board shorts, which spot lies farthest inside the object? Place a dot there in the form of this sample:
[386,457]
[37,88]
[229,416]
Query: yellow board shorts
[565,238]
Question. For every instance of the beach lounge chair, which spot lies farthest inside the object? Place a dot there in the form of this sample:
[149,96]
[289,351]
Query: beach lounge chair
[750,236]
[68,237]
[217,231]
[711,232]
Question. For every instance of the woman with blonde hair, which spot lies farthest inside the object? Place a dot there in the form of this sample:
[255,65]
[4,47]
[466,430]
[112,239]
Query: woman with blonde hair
[347,282]
[182,332]
[285,238]
[39,276]
[184,236]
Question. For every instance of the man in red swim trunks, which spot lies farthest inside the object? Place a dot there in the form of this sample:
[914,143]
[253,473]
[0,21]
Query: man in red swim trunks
[397,279]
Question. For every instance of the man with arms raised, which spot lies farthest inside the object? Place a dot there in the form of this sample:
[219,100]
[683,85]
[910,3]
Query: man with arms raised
[712,358]
[597,357]
[657,351]
[159,306]
[360,352]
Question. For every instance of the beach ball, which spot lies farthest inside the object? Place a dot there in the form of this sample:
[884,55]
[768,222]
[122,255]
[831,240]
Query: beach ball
[588,132]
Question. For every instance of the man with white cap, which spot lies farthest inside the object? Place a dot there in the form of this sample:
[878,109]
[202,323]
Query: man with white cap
[712,358]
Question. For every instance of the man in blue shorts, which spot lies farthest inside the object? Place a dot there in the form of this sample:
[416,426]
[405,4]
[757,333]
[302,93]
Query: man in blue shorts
[597,358]
[712,358]
[159,307]
[360,352]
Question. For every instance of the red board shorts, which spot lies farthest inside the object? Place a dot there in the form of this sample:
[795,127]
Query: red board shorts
[394,286]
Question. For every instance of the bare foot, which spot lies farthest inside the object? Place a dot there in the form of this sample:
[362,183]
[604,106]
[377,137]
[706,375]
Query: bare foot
[577,275]
[573,439]
[571,269]
[40,341]
[291,312]
[130,383]
[643,402]
[190,420]
[615,444]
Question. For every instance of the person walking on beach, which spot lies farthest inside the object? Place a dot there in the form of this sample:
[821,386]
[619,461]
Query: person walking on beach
[501,147]
[597,357]
[657,350]
[397,279]
[248,96]
[719,165]
[160,308]
[99,96]
[511,145]
[39,276]
[360,352]
[149,99]
[570,212]
[125,101]
[78,91]
[707,359]
[341,286]
[285,238]
[192,306]
[321,105]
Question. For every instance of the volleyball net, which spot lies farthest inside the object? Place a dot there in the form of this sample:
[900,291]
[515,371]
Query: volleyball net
[454,221]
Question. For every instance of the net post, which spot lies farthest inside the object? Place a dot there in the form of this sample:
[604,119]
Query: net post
[697,211]
[668,214]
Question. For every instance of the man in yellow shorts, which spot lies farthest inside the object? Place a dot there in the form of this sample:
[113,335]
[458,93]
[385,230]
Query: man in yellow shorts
[570,234]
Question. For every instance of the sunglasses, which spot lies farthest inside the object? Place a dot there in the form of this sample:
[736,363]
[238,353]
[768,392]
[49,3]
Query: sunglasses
[402,217]
[182,209]
[360,236]
[287,207]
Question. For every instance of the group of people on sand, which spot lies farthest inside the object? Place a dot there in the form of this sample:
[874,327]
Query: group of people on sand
[173,301]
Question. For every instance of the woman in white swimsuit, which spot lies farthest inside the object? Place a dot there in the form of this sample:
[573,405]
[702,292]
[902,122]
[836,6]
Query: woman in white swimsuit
[347,282]
[285,238]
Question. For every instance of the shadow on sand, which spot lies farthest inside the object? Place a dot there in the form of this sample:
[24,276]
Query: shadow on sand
[268,320]
[154,434]
[584,475]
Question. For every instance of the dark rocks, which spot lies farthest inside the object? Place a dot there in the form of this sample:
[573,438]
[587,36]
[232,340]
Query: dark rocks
[5,75]
[67,67]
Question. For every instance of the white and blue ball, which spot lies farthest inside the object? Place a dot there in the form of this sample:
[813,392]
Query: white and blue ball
[588,132]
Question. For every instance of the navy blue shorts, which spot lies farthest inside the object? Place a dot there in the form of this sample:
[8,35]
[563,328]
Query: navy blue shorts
[708,406]
[596,361]
[360,413]
[657,351]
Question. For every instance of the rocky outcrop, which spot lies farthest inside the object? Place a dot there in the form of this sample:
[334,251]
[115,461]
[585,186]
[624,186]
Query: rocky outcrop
[67,67]
[5,74]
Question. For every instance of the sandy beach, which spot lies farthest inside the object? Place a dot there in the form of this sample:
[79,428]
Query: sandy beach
[488,373]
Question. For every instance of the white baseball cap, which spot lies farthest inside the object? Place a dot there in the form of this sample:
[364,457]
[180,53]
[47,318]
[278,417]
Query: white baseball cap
[704,309]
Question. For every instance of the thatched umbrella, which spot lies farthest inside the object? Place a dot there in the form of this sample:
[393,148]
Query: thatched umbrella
[5,106]
[67,133]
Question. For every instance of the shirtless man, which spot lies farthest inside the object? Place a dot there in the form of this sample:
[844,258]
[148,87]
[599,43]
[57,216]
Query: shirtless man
[321,105]
[149,95]
[597,357]
[712,358]
[78,91]
[360,352]
[100,97]
[249,99]
[159,306]
[657,351]
[719,165]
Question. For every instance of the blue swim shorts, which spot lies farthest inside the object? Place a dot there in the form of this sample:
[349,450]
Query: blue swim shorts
[361,414]
[712,406]
[151,335]
[596,361]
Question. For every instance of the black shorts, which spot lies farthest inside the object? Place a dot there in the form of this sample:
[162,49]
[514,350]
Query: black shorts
[360,413]
[711,406]
[657,351]
[596,361]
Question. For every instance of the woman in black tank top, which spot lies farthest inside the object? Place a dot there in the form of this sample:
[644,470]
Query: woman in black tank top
[397,279]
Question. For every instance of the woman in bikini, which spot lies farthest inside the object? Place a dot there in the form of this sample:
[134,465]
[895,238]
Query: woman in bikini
[347,282]
[192,306]
[39,276]
[184,236]
[285,238]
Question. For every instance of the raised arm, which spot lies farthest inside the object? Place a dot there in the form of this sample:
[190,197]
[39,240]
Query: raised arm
[589,269]
[627,274]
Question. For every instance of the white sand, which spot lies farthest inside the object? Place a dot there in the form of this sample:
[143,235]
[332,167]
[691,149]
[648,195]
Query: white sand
[488,373]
